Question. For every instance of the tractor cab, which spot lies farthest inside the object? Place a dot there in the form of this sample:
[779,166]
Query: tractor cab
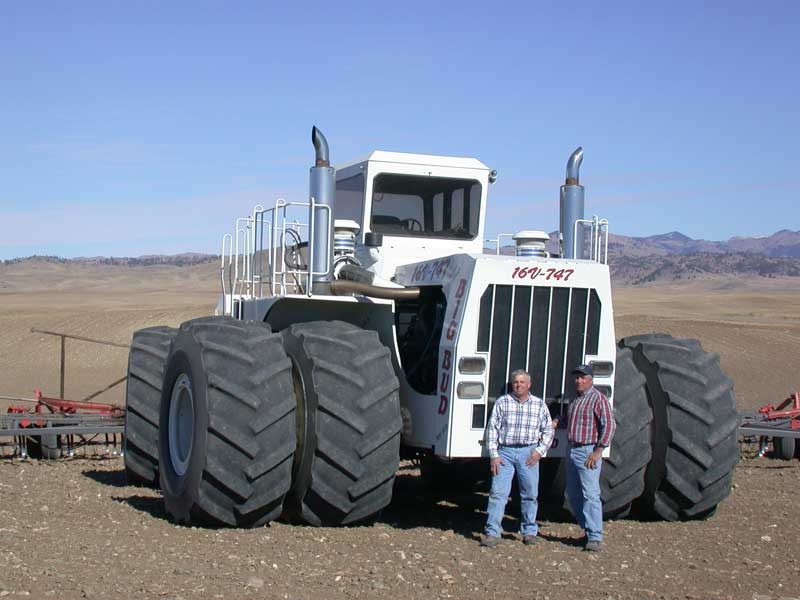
[420,206]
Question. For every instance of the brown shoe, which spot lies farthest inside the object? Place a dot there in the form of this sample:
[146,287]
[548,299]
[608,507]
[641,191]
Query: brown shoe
[529,540]
[490,541]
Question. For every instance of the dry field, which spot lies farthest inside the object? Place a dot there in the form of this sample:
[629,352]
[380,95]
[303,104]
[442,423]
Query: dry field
[74,529]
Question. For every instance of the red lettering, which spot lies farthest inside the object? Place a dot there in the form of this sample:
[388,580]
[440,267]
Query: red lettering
[444,383]
[447,360]
[451,329]
[442,404]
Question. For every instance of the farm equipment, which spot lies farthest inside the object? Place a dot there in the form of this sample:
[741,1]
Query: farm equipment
[54,427]
[781,424]
[367,323]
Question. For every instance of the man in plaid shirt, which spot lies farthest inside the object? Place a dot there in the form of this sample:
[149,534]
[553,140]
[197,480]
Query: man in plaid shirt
[590,427]
[518,435]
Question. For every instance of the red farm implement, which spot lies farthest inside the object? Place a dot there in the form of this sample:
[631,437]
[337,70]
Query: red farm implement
[45,427]
[780,424]
[54,427]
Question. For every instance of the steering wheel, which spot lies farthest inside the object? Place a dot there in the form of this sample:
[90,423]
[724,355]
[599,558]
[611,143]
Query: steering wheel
[411,224]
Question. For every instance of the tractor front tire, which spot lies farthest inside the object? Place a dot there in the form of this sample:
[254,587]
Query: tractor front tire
[227,431]
[146,364]
[695,447]
[622,474]
[351,423]
[622,477]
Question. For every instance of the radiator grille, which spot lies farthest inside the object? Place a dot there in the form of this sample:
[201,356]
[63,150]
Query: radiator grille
[544,330]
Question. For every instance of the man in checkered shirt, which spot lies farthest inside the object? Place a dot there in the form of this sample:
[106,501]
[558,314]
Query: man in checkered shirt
[590,427]
[518,435]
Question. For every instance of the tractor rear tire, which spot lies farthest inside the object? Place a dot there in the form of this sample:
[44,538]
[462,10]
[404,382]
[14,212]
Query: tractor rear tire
[146,364]
[695,446]
[784,447]
[622,475]
[350,412]
[227,430]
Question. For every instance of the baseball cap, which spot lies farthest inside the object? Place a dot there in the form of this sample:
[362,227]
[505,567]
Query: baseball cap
[583,370]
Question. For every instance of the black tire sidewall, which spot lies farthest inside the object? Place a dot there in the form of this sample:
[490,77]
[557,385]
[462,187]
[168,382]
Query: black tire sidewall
[301,472]
[181,491]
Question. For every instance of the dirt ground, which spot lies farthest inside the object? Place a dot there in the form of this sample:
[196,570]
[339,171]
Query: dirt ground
[75,529]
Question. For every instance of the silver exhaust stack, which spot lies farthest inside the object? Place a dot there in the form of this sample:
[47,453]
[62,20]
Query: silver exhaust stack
[322,188]
[571,208]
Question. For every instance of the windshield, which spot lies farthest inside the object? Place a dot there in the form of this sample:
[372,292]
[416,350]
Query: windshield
[422,206]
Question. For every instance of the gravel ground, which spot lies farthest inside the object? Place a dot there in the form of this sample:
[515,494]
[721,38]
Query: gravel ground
[75,529]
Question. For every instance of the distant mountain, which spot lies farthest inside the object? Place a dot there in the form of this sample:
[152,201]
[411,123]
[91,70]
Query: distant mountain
[638,270]
[179,260]
[670,256]
[674,256]
[784,243]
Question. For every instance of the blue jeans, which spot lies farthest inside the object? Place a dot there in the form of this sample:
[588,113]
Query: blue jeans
[528,480]
[583,489]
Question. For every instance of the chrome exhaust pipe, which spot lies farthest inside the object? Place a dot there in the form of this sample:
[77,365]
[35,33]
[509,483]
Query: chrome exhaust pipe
[571,208]
[322,188]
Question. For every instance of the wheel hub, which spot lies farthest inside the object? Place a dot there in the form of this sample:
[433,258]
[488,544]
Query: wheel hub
[181,424]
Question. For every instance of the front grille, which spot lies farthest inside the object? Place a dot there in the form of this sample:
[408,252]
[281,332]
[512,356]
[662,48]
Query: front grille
[545,330]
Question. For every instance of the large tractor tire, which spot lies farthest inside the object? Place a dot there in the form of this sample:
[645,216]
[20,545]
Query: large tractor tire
[622,475]
[695,445]
[351,424]
[227,430]
[146,364]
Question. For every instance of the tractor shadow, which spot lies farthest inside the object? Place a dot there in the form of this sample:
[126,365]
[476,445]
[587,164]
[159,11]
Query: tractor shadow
[110,478]
[416,504]
[152,505]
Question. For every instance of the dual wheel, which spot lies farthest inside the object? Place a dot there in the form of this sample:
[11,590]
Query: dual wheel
[253,424]
[676,446]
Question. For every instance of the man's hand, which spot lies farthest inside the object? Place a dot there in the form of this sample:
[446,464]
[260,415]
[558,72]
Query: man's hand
[594,457]
[533,458]
[494,464]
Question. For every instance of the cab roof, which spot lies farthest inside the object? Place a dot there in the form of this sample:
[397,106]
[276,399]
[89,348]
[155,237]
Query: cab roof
[419,159]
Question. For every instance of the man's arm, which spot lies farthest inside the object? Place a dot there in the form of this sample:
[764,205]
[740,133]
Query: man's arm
[493,430]
[546,429]
[606,428]
[605,416]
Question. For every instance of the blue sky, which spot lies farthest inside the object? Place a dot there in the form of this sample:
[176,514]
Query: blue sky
[131,128]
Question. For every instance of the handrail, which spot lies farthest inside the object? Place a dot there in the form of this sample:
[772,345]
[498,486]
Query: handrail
[496,241]
[598,230]
[255,253]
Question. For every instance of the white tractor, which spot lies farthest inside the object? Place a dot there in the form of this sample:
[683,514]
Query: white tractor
[367,323]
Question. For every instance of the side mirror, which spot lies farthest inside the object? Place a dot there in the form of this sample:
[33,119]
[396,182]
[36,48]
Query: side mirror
[373,240]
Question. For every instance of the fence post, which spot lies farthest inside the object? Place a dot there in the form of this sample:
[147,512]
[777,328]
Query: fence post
[61,388]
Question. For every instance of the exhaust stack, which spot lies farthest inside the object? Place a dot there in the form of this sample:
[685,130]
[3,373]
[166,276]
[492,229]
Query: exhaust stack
[321,187]
[571,207]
